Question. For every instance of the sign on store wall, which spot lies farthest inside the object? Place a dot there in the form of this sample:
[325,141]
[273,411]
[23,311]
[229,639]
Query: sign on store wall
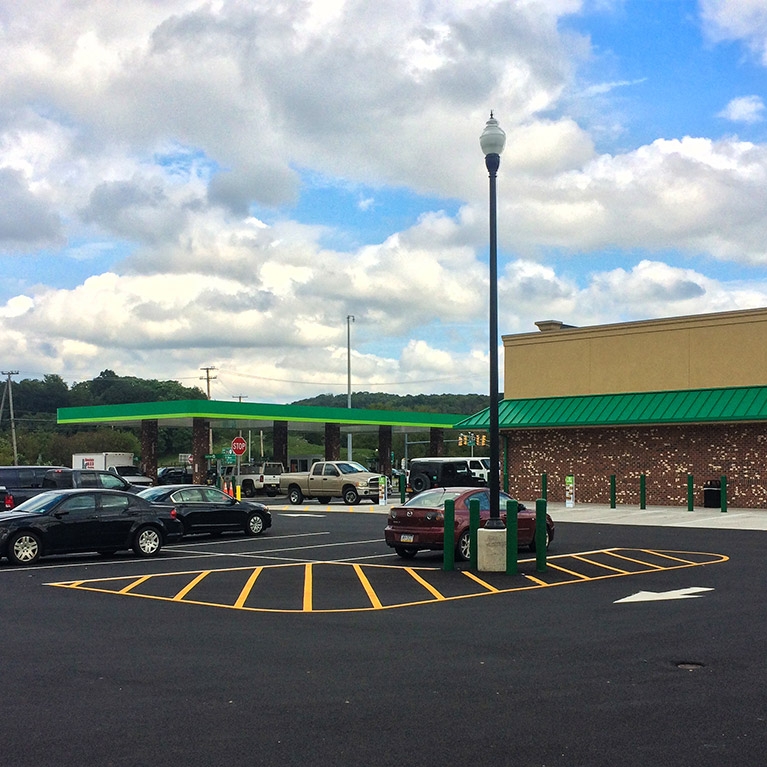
[569,491]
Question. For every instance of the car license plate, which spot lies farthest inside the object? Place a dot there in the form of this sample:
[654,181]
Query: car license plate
[406,538]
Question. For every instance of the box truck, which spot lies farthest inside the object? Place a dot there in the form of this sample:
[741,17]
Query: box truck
[121,464]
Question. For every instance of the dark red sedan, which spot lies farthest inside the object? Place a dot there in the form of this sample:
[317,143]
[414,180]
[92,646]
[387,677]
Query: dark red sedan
[419,524]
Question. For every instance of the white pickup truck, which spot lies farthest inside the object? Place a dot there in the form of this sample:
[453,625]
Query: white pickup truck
[255,478]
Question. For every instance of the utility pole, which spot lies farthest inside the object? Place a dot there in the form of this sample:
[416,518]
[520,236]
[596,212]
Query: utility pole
[349,320]
[9,390]
[208,377]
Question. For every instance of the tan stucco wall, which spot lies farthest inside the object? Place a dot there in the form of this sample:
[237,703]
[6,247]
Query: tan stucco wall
[694,352]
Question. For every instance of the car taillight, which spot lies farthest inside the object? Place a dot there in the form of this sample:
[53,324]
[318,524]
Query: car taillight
[261,479]
[173,514]
[9,503]
[436,516]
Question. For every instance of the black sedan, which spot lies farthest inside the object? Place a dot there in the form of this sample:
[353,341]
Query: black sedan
[205,509]
[68,521]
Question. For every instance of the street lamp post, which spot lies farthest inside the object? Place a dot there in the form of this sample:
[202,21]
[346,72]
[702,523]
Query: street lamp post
[492,141]
[349,320]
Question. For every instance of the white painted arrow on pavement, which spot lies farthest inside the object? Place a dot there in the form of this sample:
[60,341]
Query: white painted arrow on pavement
[654,596]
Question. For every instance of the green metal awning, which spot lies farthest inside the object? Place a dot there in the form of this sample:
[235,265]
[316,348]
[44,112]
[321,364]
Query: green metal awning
[244,414]
[747,403]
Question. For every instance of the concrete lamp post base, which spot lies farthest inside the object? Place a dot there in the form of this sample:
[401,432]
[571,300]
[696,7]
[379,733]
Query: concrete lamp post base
[491,550]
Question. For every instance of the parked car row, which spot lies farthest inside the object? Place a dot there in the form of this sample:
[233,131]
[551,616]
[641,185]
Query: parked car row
[19,483]
[70,520]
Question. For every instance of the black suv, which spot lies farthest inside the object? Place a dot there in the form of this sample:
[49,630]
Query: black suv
[18,483]
[60,479]
[174,475]
[442,472]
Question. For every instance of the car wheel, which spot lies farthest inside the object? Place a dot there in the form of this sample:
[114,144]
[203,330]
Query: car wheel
[324,500]
[255,524]
[271,491]
[248,489]
[351,496]
[463,547]
[405,552]
[419,483]
[147,541]
[548,541]
[295,496]
[24,549]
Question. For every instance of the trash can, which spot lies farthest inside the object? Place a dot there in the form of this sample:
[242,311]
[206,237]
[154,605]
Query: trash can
[712,494]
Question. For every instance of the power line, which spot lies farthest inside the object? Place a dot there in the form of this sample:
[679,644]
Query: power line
[337,383]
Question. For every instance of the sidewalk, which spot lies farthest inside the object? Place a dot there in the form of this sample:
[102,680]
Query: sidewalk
[592,513]
[660,516]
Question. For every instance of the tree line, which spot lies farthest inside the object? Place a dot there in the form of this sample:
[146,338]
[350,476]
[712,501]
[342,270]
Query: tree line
[40,440]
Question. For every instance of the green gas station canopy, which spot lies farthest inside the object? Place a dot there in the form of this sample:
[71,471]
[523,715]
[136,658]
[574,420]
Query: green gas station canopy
[246,414]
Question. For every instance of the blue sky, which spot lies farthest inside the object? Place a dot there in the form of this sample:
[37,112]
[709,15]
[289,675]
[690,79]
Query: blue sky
[187,184]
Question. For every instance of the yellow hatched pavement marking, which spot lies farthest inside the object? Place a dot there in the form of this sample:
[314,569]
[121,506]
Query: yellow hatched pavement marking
[308,584]
[372,596]
[632,559]
[246,589]
[668,556]
[599,564]
[480,581]
[569,572]
[675,560]
[189,586]
[133,585]
[436,594]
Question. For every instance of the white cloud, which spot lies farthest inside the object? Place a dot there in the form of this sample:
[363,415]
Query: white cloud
[180,133]
[744,20]
[745,109]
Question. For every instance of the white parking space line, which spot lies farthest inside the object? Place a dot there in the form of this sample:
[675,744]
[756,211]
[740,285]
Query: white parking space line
[188,550]
[219,541]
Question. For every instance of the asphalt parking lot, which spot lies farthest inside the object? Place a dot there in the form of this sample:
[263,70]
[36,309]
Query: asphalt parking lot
[315,645]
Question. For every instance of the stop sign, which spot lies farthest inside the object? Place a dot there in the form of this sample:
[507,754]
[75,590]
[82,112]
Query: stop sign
[239,446]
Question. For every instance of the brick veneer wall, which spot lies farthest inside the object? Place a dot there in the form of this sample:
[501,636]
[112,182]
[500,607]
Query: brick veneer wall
[664,454]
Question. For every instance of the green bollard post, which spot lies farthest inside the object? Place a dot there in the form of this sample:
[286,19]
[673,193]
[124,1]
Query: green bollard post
[544,486]
[723,493]
[642,491]
[473,527]
[612,491]
[690,495]
[448,539]
[540,535]
[512,537]
[402,488]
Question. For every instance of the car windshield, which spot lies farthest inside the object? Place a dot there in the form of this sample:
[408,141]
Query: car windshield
[352,467]
[434,499]
[39,504]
